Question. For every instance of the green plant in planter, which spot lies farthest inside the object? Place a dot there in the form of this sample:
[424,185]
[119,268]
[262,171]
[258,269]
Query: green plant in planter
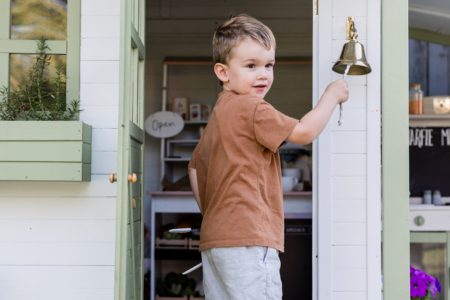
[39,97]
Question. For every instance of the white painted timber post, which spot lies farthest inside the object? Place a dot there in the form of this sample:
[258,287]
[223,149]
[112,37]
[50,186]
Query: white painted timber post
[347,196]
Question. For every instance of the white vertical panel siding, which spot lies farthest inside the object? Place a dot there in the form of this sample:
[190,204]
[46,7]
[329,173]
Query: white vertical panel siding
[58,239]
[354,147]
[346,8]
[374,215]
[350,295]
[98,26]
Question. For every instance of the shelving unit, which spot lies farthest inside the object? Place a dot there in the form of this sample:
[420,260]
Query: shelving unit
[173,207]
[429,224]
[189,78]
[192,77]
[173,255]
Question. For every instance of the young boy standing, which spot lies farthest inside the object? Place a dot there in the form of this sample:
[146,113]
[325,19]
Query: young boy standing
[235,169]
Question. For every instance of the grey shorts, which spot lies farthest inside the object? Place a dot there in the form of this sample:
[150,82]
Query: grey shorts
[241,273]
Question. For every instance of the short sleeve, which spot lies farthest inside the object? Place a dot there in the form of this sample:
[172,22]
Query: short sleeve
[271,126]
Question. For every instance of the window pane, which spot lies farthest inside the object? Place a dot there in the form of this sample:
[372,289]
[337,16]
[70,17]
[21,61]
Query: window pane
[21,66]
[418,62]
[432,258]
[35,19]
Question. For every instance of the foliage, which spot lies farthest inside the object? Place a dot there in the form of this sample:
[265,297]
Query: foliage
[39,97]
[422,285]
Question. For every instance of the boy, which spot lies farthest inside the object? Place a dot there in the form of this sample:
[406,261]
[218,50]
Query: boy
[235,168]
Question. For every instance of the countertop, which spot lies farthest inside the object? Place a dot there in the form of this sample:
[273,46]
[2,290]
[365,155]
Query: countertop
[190,194]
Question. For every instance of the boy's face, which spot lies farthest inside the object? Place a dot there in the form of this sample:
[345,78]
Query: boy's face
[249,70]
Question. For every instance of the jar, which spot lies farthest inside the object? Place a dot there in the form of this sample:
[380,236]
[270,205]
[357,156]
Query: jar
[437,198]
[427,197]
[415,99]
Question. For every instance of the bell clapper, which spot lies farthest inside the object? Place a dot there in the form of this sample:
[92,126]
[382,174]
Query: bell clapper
[347,68]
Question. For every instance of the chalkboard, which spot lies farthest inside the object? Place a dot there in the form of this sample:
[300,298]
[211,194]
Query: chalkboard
[429,160]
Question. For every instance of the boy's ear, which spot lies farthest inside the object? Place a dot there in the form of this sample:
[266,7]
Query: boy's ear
[221,71]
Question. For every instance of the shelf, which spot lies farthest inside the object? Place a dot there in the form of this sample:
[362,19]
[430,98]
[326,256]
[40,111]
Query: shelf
[306,194]
[429,120]
[177,159]
[187,142]
[430,117]
[195,122]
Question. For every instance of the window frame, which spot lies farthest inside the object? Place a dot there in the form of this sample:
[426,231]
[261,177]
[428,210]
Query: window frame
[69,47]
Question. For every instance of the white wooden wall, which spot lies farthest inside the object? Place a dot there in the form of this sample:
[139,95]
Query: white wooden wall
[348,194]
[57,240]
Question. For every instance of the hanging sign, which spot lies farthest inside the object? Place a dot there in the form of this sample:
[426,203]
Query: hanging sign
[164,124]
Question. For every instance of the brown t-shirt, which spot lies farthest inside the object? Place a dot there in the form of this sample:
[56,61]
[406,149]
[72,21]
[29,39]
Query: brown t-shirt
[238,172]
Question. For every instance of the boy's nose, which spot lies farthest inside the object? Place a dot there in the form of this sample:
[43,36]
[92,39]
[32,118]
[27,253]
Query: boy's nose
[261,76]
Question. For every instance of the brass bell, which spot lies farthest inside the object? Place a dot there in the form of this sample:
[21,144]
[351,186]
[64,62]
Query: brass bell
[352,54]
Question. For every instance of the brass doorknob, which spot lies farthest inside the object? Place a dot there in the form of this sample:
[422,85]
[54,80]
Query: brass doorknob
[132,178]
[112,177]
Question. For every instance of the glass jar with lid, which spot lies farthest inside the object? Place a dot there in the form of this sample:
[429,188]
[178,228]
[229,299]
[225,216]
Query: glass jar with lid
[415,99]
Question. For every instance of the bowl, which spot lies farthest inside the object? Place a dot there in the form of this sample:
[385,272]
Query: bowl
[292,172]
[288,183]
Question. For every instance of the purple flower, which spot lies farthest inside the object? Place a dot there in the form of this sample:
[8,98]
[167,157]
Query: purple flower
[434,287]
[418,286]
[423,284]
[438,285]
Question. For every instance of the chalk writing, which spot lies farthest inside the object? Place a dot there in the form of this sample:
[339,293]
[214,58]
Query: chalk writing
[421,137]
[158,125]
[163,124]
[445,136]
[429,137]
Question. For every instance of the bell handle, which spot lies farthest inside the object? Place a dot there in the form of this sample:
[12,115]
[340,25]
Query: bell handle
[351,31]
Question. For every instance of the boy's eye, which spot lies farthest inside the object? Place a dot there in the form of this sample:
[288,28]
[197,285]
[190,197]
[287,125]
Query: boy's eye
[269,66]
[251,66]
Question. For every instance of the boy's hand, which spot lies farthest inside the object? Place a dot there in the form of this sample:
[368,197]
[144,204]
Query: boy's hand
[338,89]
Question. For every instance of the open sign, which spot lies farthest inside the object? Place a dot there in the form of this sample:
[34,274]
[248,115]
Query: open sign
[164,124]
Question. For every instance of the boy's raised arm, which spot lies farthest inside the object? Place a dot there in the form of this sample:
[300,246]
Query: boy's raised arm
[194,186]
[312,124]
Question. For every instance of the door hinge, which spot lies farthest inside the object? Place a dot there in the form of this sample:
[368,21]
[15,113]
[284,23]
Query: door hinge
[315,7]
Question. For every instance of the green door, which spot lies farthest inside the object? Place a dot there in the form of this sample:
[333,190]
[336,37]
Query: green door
[129,236]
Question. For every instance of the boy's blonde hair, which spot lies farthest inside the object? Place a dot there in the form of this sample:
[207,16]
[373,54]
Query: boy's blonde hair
[233,31]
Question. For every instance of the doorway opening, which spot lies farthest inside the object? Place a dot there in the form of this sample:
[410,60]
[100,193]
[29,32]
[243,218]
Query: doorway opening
[179,77]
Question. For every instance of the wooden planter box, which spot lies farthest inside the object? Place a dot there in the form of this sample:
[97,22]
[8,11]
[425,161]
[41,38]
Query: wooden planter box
[45,151]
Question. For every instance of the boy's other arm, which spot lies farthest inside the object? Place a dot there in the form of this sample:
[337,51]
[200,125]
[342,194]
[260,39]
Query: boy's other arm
[194,185]
[312,124]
